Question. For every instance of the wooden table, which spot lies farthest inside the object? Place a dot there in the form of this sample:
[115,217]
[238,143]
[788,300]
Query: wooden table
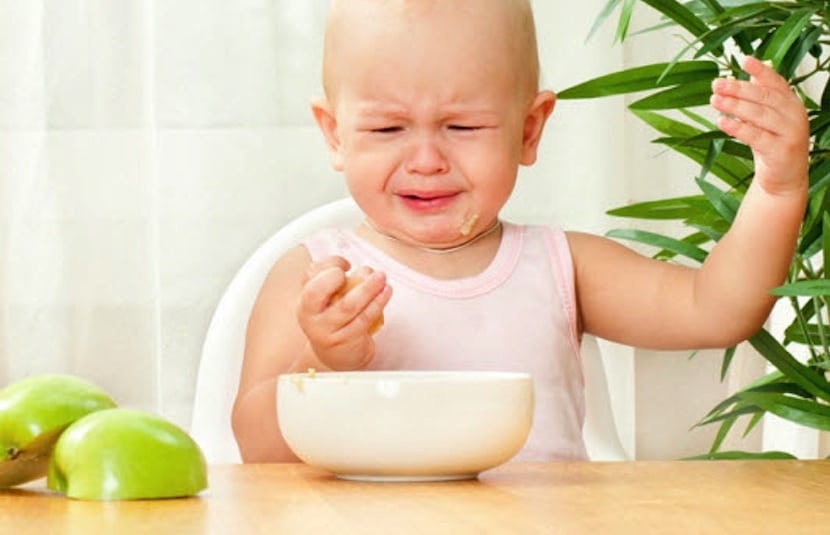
[739,497]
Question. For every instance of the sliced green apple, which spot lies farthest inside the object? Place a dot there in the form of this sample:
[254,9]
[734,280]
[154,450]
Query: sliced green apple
[33,413]
[125,454]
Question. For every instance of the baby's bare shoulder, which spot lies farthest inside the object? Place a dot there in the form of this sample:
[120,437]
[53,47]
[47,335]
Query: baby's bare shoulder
[584,244]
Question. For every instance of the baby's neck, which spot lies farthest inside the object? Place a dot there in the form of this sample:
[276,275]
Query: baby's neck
[464,260]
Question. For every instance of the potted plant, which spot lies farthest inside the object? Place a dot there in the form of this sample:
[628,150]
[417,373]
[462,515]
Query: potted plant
[792,35]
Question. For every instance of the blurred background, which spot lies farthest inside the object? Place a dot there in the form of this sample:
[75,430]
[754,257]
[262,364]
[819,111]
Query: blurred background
[148,147]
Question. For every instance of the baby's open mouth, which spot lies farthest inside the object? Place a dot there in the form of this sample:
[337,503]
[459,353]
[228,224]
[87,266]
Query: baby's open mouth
[427,196]
[428,201]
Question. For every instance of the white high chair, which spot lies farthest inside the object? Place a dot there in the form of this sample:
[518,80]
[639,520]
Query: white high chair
[224,345]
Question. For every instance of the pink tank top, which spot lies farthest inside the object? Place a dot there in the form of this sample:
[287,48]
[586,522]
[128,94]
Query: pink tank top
[517,315]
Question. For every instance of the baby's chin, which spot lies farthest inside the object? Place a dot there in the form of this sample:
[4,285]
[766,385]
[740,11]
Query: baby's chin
[440,233]
[453,233]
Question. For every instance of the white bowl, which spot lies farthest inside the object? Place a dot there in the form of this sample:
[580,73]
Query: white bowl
[405,425]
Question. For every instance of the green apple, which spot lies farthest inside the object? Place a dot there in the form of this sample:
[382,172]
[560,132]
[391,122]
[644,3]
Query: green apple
[33,413]
[126,454]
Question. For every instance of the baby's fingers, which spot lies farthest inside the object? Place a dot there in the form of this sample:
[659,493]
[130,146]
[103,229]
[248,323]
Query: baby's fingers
[764,105]
[749,104]
[358,294]
[373,313]
[762,123]
[318,291]
[764,75]
[332,299]
[315,268]
[748,123]
[365,284]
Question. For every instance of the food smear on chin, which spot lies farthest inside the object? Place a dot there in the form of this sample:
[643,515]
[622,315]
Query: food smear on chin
[467,226]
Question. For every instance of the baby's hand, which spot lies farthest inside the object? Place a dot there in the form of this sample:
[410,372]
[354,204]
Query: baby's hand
[765,114]
[338,320]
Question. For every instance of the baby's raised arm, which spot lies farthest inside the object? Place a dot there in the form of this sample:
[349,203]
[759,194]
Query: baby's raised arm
[295,325]
[638,301]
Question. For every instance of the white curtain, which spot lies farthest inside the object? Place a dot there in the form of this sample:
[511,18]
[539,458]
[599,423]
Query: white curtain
[147,147]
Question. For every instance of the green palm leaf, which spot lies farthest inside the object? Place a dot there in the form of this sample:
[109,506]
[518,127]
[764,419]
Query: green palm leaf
[806,288]
[786,35]
[658,240]
[801,411]
[674,208]
[696,93]
[772,350]
[603,16]
[724,204]
[679,14]
[641,79]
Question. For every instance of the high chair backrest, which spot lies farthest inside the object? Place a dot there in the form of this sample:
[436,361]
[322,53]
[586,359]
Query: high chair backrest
[224,346]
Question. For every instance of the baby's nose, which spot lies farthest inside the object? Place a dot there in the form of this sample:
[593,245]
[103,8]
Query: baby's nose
[426,157]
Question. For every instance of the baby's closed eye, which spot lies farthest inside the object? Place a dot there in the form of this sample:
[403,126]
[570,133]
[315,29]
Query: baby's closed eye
[386,129]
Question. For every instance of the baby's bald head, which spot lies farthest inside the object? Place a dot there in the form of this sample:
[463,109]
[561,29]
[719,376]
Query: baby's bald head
[508,24]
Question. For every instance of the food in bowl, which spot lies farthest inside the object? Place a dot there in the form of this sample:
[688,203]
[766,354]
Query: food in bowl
[405,425]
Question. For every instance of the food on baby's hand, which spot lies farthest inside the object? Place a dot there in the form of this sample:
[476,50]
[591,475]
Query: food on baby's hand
[351,282]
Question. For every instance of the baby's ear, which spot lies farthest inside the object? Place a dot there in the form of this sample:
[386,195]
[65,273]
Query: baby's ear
[326,120]
[534,123]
